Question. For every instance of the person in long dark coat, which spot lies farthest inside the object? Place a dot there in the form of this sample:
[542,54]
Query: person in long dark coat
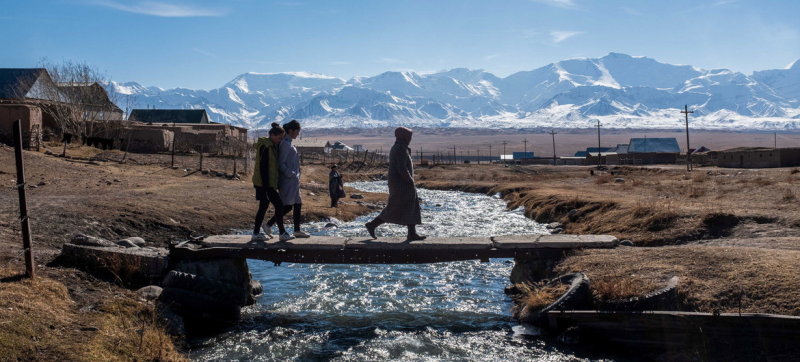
[335,186]
[403,205]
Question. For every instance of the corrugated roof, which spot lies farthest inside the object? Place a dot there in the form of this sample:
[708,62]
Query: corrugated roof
[169,115]
[592,149]
[621,148]
[18,79]
[654,145]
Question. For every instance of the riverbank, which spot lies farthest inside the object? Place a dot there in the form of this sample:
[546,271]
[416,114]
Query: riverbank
[92,194]
[648,205]
[731,235]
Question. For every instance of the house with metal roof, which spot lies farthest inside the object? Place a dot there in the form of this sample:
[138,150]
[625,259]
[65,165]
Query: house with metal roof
[169,116]
[20,83]
[654,145]
[650,151]
[312,146]
[592,150]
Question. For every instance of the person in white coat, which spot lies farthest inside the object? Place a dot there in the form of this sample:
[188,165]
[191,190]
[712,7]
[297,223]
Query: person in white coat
[289,178]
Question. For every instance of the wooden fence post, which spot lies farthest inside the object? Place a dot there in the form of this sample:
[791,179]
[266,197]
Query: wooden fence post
[23,202]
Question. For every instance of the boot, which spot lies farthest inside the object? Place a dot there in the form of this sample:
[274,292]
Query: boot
[372,225]
[412,234]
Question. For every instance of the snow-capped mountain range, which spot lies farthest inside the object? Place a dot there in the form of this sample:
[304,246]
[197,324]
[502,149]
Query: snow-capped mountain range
[619,90]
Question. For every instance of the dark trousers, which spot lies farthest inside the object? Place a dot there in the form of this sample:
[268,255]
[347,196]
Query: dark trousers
[263,204]
[334,201]
[286,209]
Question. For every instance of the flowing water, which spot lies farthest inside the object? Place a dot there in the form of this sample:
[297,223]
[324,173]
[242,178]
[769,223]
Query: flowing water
[430,312]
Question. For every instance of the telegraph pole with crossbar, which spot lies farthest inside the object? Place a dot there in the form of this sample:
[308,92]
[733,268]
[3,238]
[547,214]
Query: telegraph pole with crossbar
[553,133]
[686,112]
[599,155]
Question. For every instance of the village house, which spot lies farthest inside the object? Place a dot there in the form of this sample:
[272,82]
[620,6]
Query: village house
[17,88]
[157,129]
[194,116]
[758,157]
[312,146]
[650,151]
[31,122]
[29,94]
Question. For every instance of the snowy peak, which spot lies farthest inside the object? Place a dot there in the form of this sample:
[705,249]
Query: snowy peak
[619,89]
[283,84]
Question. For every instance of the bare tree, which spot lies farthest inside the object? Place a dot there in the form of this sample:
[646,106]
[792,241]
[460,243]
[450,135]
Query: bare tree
[72,95]
[129,101]
[93,98]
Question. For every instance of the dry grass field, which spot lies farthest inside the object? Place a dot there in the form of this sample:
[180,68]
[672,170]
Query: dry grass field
[732,235]
[541,142]
[69,314]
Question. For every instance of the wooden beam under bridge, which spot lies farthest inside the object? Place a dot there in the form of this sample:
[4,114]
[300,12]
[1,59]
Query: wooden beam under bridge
[364,250]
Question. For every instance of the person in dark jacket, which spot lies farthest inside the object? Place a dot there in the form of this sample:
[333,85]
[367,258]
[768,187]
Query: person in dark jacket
[289,178]
[265,181]
[403,205]
[335,186]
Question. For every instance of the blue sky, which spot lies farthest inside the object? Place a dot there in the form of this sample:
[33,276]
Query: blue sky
[206,43]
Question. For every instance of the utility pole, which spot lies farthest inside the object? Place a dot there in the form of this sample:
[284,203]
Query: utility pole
[553,133]
[479,156]
[776,139]
[454,154]
[686,112]
[598,144]
[504,151]
[173,146]
[490,153]
[526,148]
[23,201]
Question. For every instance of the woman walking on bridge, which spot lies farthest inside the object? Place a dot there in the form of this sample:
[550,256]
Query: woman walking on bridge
[265,181]
[403,205]
[289,180]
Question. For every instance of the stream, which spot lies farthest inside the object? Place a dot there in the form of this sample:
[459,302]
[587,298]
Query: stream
[452,311]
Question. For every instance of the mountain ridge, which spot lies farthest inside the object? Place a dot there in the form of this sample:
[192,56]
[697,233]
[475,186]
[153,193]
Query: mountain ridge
[620,90]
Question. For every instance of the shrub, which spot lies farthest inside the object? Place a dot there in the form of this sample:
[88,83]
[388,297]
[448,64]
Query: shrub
[788,194]
[603,179]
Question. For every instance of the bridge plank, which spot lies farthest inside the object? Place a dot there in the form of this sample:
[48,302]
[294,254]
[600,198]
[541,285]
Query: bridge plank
[560,241]
[243,242]
[392,243]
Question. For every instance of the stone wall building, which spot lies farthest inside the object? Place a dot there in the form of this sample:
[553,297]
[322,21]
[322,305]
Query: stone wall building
[758,157]
[31,124]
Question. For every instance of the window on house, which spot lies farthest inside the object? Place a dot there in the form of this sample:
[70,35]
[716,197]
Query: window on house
[102,116]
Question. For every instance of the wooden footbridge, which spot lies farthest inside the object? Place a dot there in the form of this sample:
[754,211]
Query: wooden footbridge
[388,250]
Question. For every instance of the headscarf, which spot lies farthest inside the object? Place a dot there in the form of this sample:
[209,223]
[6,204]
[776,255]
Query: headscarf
[403,134]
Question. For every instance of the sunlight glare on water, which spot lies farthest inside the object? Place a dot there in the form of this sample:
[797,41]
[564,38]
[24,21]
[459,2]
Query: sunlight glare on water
[429,312]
